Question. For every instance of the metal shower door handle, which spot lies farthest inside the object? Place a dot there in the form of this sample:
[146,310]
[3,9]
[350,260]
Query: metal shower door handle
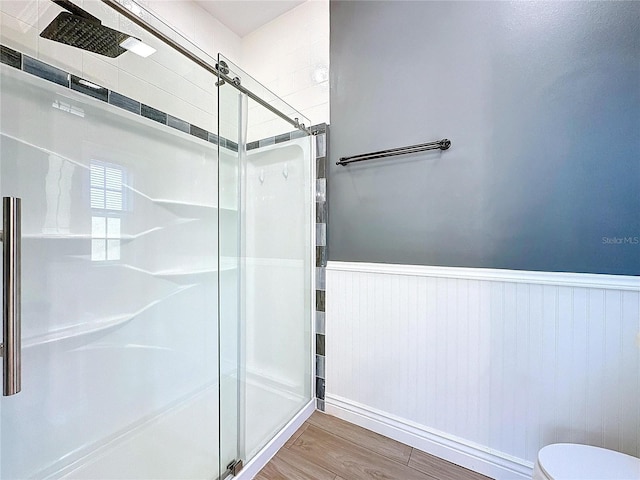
[11,285]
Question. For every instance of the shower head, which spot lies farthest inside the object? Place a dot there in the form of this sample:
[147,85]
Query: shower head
[78,28]
[85,32]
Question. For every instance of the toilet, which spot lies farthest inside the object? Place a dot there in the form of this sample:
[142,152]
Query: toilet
[568,461]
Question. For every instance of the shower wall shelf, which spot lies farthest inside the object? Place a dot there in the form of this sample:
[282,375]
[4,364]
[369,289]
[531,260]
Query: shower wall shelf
[177,272]
[123,237]
[191,272]
[179,207]
[175,203]
[94,325]
[80,236]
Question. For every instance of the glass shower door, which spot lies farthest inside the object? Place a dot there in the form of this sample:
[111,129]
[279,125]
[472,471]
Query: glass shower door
[119,265]
[265,320]
[230,145]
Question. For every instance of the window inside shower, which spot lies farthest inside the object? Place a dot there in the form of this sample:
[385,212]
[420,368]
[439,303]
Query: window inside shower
[107,209]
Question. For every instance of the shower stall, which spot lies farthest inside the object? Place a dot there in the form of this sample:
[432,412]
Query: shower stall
[166,250]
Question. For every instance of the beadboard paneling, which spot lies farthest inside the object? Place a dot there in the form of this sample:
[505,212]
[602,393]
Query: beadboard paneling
[506,365]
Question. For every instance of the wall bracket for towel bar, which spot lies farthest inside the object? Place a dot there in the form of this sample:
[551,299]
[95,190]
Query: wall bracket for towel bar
[443,144]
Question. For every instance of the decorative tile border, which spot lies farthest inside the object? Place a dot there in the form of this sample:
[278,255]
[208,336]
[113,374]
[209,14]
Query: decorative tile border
[30,65]
[15,59]
[285,137]
[321,133]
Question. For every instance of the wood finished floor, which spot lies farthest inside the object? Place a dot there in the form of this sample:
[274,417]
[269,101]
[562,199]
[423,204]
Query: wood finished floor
[327,448]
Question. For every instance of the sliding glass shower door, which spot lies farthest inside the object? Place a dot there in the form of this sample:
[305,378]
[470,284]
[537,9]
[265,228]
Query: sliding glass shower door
[265,323]
[117,175]
[165,251]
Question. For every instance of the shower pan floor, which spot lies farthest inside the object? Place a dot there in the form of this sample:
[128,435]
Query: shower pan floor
[260,427]
[157,448]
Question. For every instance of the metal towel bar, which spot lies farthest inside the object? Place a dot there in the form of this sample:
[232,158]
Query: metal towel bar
[443,144]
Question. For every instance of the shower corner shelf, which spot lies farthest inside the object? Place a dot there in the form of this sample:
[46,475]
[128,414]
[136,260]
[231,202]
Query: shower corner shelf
[96,325]
[176,273]
[175,205]
[77,236]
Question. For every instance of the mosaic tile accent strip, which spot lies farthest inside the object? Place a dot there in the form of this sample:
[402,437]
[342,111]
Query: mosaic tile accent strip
[125,103]
[15,59]
[265,142]
[320,277]
[45,71]
[10,57]
[320,365]
[178,124]
[89,88]
[285,137]
[321,257]
[321,234]
[320,388]
[320,301]
[153,114]
[321,212]
[321,168]
[320,132]
[213,138]
[320,322]
[319,344]
[199,132]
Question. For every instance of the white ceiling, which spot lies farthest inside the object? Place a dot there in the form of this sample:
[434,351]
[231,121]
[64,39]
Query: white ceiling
[245,16]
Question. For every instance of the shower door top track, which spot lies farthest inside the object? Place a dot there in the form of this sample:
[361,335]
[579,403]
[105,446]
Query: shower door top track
[120,8]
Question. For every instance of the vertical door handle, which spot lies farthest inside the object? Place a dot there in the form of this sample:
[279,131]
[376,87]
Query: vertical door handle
[11,285]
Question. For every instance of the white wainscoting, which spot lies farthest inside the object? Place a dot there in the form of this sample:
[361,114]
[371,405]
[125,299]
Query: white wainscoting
[484,367]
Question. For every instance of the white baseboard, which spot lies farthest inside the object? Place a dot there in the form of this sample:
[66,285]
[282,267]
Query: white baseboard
[256,464]
[494,464]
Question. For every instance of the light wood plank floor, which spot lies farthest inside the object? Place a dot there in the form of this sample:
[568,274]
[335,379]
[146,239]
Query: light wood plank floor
[327,448]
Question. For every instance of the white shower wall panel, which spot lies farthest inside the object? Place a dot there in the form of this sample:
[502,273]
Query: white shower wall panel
[276,252]
[110,340]
[276,286]
[276,325]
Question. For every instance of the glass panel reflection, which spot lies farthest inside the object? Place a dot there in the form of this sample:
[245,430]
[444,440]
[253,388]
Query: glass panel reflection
[106,196]
[271,331]
[119,278]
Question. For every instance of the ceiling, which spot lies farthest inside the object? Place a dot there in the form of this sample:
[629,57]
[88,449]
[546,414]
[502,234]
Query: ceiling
[245,16]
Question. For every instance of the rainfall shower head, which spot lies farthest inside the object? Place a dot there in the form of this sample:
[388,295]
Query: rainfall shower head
[78,28]
[85,33]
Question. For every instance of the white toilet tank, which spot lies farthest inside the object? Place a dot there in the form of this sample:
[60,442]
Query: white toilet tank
[568,461]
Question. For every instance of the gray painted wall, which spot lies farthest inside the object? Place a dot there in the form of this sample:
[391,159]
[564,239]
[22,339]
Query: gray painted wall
[542,104]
